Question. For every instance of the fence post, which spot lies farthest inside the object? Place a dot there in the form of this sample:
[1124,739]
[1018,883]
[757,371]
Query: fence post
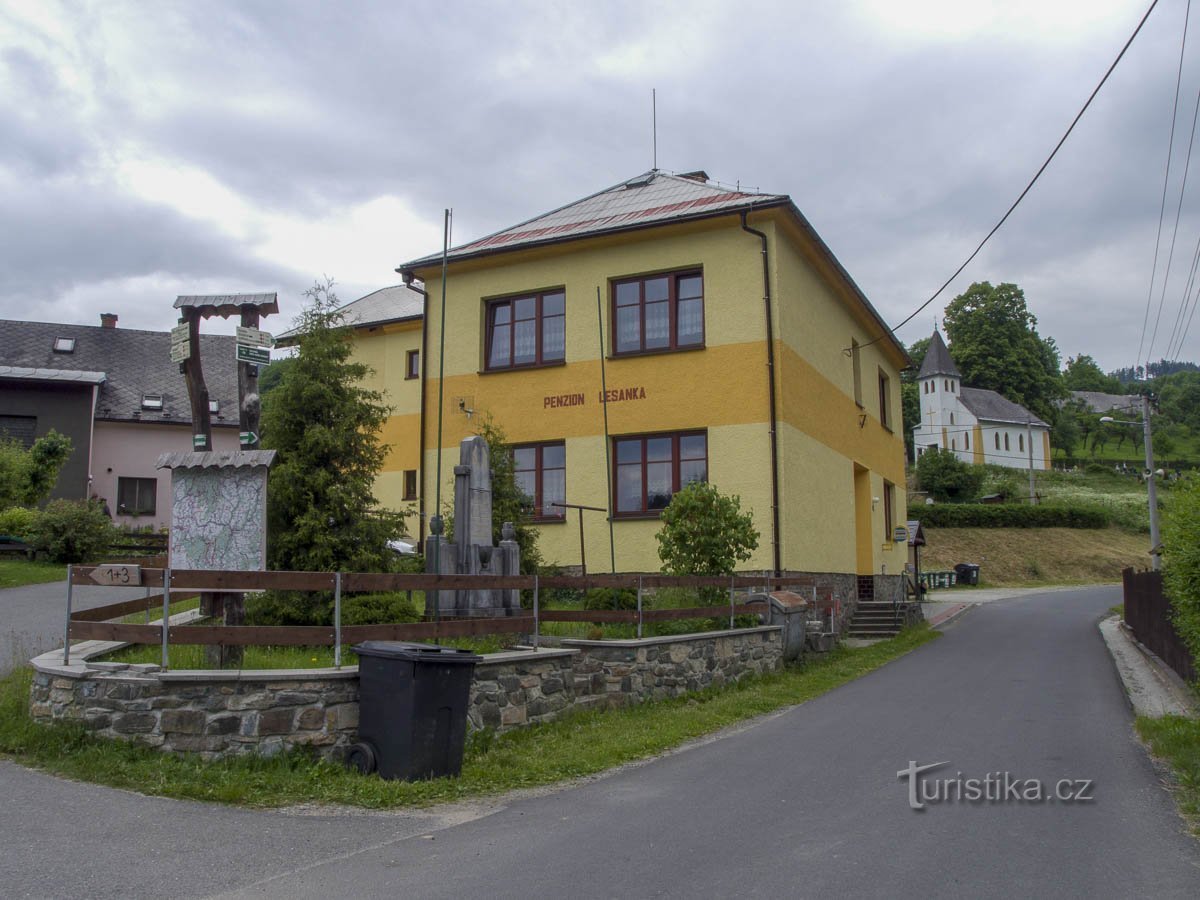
[536,599]
[67,633]
[639,629]
[731,603]
[166,617]
[337,620]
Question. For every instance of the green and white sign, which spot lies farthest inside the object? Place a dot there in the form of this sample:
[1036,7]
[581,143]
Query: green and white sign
[199,441]
[259,356]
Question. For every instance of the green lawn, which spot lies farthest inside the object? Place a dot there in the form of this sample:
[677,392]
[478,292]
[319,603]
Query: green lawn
[573,747]
[1176,740]
[19,572]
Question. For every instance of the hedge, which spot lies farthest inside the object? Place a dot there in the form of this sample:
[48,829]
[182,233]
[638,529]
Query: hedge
[1010,515]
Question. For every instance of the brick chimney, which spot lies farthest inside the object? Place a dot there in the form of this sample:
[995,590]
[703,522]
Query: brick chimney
[108,320]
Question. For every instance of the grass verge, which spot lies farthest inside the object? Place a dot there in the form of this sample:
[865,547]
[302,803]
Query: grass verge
[1176,739]
[20,572]
[576,746]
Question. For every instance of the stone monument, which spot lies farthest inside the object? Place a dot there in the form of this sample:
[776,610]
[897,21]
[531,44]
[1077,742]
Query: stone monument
[472,552]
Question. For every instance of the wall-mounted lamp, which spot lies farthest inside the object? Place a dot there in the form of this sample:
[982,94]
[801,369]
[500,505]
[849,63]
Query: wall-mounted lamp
[874,502]
[462,405]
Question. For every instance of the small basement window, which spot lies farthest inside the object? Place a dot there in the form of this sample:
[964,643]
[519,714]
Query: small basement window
[64,345]
[152,401]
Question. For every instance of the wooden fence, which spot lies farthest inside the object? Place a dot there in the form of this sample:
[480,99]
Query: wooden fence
[1148,615]
[177,584]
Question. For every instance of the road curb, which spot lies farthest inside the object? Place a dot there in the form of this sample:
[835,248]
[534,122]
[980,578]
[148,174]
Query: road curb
[1151,687]
[949,615]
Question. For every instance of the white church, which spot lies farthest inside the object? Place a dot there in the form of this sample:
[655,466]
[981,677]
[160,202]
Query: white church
[977,426]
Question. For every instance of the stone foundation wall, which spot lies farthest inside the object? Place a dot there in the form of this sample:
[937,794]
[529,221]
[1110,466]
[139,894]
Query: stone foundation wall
[225,713]
[203,712]
[521,688]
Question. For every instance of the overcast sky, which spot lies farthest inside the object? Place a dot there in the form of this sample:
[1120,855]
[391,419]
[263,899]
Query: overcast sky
[153,149]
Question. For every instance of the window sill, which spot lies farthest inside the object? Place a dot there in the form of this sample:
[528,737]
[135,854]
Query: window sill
[638,517]
[658,352]
[547,520]
[501,371]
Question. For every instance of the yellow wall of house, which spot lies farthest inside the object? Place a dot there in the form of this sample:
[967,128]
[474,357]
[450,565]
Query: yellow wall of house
[721,389]
[978,439]
[1046,461]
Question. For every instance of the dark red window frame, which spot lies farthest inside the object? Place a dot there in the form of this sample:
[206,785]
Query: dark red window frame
[412,365]
[502,316]
[642,464]
[623,304]
[410,484]
[540,510]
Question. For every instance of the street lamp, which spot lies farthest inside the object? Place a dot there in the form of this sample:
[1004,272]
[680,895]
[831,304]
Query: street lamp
[1155,548]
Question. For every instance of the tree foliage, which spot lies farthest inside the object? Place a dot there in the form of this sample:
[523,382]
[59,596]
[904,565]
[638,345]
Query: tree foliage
[28,476]
[995,343]
[321,512]
[1181,560]
[1083,374]
[947,478]
[704,532]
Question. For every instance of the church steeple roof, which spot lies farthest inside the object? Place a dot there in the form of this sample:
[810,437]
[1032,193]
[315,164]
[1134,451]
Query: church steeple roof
[937,359]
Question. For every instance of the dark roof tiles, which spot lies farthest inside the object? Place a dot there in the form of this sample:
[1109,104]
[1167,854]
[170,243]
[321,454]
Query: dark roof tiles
[134,363]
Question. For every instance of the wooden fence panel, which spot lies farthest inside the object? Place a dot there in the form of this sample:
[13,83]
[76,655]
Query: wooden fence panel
[115,631]
[253,635]
[128,607]
[1148,615]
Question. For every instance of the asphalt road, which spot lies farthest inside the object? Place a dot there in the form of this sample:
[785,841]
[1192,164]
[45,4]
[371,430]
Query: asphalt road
[805,803]
[32,618]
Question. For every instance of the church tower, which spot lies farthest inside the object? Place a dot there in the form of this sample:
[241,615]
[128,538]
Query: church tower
[938,382]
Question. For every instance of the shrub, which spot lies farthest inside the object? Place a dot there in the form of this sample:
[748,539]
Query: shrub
[1181,561]
[610,598]
[1011,515]
[71,531]
[705,532]
[16,521]
[947,478]
[378,609]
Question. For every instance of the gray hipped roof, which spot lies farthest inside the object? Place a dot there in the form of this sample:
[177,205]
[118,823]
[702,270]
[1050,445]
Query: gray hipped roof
[989,406]
[937,359]
[652,198]
[1100,402]
[133,363]
[397,303]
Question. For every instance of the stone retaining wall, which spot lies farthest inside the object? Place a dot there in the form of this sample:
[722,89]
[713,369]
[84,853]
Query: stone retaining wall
[225,713]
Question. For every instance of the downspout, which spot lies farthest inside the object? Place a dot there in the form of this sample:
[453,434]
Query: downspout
[408,283]
[92,442]
[766,260]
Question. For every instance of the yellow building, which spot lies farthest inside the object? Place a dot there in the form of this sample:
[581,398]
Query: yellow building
[717,331]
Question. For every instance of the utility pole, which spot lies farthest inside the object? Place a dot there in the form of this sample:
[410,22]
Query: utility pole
[1155,542]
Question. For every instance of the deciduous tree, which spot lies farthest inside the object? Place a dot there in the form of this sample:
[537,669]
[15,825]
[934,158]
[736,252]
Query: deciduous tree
[995,343]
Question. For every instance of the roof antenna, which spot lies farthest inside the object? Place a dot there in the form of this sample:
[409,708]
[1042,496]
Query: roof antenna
[654,124]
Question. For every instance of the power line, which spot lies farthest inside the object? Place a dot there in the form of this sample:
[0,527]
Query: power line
[1029,186]
[1187,165]
[1166,179]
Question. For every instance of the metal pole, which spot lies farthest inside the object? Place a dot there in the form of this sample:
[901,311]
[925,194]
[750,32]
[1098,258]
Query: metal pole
[639,628]
[731,602]
[582,551]
[536,612]
[166,616]
[337,620]
[1151,490]
[437,503]
[612,545]
[67,633]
